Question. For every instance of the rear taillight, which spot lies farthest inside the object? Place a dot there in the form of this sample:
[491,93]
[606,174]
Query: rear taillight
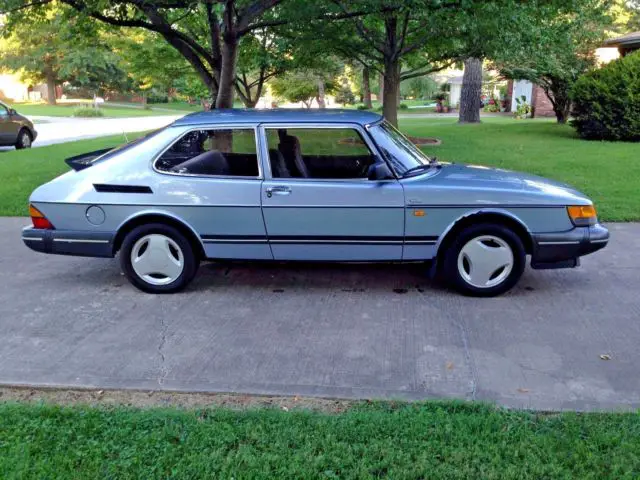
[39,220]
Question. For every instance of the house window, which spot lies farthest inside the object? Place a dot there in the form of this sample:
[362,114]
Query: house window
[218,152]
[322,153]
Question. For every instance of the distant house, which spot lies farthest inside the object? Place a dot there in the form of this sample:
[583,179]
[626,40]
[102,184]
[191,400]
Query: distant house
[455,89]
[534,95]
[625,44]
[15,90]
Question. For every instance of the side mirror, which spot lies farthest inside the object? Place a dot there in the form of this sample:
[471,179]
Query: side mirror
[379,171]
[12,111]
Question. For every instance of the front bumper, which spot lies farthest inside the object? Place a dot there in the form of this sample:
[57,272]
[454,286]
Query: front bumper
[69,242]
[563,249]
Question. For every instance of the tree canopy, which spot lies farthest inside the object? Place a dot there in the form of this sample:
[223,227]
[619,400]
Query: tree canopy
[53,45]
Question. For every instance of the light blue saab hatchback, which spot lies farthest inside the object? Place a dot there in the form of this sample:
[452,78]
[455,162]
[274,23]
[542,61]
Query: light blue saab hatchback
[324,185]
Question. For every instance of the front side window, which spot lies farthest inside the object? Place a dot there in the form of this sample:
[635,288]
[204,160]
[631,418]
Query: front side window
[398,149]
[219,152]
[322,153]
[4,111]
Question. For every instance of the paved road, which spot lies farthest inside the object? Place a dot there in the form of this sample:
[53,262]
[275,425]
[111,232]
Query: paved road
[336,330]
[63,129]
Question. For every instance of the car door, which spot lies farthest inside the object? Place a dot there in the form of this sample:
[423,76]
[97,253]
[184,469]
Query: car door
[217,170]
[317,201]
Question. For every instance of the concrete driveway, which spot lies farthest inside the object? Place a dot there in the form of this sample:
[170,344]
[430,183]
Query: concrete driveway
[335,330]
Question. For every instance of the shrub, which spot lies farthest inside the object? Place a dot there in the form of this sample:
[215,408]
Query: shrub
[87,112]
[606,102]
[362,106]
[523,109]
[403,106]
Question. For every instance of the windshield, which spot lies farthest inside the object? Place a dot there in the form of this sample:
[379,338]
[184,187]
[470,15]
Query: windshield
[397,149]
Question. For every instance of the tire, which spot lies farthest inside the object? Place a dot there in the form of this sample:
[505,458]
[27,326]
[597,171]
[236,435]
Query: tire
[157,258]
[24,139]
[498,253]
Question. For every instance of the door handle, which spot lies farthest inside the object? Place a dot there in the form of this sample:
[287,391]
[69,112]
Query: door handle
[278,190]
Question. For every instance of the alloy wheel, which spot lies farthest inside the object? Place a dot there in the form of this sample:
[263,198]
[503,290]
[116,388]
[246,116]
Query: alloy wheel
[157,259]
[485,261]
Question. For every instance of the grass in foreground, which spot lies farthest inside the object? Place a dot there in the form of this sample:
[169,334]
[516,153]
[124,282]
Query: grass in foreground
[386,440]
[608,172]
[24,170]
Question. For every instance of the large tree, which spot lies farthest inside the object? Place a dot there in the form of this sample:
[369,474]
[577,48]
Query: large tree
[399,39]
[53,45]
[207,33]
[556,47]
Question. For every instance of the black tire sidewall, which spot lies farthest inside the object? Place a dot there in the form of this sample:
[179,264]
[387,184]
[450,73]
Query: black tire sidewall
[190,260]
[19,145]
[450,264]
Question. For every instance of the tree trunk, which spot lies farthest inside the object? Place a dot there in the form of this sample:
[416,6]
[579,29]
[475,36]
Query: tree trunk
[224,98]
[144,99]
[562,116]
[51,86]
[390,92]
[366,88]
[562,111]
[557,91]
[320,98]
[470,101]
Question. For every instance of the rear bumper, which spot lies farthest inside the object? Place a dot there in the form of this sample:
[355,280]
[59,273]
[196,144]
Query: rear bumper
[562,250]
[69,242]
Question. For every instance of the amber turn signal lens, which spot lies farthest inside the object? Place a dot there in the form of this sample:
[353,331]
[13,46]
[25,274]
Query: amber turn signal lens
[34,212]
[582,215]
[39,220]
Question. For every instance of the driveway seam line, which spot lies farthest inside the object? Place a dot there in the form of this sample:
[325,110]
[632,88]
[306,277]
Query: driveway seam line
[469,358]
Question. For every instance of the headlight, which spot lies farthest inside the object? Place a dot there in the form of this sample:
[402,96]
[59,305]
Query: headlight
[582,215]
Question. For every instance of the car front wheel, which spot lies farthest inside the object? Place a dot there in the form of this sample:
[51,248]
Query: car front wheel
[484,260]
[24,139]
[157,258]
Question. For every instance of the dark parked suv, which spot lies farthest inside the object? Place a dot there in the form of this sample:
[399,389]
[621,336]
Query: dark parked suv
[15,129]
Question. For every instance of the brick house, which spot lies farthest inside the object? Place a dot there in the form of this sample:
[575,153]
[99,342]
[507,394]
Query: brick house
[534,94]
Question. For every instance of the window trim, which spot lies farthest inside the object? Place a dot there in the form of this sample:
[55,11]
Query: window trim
[373,148]
[194,128]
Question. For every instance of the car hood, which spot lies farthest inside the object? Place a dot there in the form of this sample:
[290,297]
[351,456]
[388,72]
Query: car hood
[502,186]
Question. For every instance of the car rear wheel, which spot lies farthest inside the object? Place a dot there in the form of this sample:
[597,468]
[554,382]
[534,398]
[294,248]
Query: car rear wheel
[157,258]
[24,139]
[484,260]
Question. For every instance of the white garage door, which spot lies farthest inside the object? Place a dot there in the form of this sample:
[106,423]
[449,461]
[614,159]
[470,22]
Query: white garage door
[521,87]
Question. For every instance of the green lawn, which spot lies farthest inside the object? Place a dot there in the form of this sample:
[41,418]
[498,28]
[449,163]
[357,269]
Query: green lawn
[608,172]
[24,170]
[67,109]
[385,440]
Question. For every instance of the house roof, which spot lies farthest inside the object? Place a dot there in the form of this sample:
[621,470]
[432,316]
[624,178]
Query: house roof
[280,115]
[629,39]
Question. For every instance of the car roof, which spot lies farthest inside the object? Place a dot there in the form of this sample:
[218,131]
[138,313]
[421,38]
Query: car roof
[280,115]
